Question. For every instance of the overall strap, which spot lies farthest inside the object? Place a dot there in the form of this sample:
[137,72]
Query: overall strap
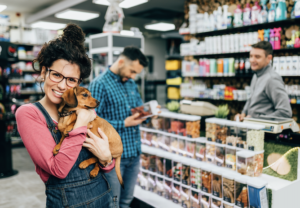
[50,124]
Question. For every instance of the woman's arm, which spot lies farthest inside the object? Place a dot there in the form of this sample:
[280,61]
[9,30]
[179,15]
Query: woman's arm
[39,142]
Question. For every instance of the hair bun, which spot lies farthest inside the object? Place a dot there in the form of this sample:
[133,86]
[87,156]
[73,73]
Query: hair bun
[73,33]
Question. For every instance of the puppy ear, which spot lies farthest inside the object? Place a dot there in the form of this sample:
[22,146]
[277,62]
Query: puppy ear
[69,98]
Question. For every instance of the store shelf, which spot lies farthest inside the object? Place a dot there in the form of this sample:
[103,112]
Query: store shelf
[153,199]
[235,76]
[215,99]
[178,86]
[19,81]
[27,44]
[26,92]
[28,70]
[174,56]
[249,28]
[26,59]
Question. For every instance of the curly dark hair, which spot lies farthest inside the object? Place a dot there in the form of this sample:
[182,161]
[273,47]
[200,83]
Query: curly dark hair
[70,47]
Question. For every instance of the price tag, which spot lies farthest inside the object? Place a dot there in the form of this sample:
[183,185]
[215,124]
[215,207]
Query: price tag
[204,189]
[216,194]
[194,186]
[238,203]
[227,199]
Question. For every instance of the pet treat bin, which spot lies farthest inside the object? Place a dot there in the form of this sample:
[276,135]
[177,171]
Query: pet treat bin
[190,148]
[148,139]
[160,164]
[245,162]
[151,182]
[230,157]
[152,163]
[206,178]
[167,143]
[257,193]
[144,180]
[195,176]
[242,134]
[241,192]
[154,141]
[228,186]
[216,202]
[221,131]
[227,205]
[182,146]
[186,172]
[258,163]
[157,123]
[166,121]
[220,155]
[168,168]
[210,129]
[216,184]
[256,140]
[143,136]
[177,126]
[176,194]
[160,186]
[168,189]
[205,200]
[192,124]
[210,152]
[160,141]
[174,144]
[177,169]
[231,138]
[195,198]
[145,161]
[185,193]
[200,149]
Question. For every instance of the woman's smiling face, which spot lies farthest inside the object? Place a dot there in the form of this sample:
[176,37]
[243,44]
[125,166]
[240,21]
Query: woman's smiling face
[53,90]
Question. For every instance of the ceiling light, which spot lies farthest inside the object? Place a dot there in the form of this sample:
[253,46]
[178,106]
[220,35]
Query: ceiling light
[125,4]
[2,7]
[80,15]
[127,32]
[161,26]
[48,25]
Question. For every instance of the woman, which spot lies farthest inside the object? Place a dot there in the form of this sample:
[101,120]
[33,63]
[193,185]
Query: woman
[64,63]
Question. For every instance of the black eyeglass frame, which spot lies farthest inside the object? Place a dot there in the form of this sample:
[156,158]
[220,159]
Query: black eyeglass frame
[78,80]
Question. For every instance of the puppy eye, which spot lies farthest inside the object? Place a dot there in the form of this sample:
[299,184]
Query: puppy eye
[85,95]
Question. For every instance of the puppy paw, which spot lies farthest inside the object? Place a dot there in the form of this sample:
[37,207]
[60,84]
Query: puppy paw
[55,151]
[83,165]
[94,173]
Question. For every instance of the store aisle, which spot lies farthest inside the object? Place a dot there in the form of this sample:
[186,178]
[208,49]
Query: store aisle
[24,190]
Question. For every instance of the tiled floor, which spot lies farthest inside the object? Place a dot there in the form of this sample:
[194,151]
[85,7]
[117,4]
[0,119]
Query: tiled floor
[24,190]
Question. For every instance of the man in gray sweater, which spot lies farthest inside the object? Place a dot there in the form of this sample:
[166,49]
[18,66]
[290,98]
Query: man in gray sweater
[268,95]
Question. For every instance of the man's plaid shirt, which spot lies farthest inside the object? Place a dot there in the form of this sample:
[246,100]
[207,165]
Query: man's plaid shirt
[116,99]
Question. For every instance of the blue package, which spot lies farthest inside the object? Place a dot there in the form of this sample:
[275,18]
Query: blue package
[226,67]
[257,193]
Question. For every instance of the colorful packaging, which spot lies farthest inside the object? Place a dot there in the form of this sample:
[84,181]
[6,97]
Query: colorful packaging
[185,196]
[176,195]
[195,177]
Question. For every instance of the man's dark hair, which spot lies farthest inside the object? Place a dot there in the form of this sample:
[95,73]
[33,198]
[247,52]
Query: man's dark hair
[133,54]
[265,45]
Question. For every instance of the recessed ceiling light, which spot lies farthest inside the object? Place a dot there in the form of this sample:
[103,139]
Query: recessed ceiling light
[2,7]
[74,14]
[161,26]
[125,4]
[48,25]
[127,32]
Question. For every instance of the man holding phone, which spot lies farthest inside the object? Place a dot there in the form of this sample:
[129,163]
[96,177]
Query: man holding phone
[118,94]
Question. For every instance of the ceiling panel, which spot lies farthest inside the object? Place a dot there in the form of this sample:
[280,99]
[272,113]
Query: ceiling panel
[27,6]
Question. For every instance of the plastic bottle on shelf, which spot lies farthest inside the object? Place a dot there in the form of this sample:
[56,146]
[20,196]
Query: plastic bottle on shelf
[225,16]
[272,11]
[220,67]
[260,35]
[242,66]
[296,10]
[281,11]
[238,17]
[277,38]
[206,22]
[247,15]
[220,18]
[255,11]
[267,35]
[263,15]
[226,67]
[297,39]
[272,35]
[211,25]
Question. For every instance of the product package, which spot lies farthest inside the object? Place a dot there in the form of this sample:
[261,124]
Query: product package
[151,183]
[154,141]
[220,155]
[205,200]
[174,145]
[242,133]
[168,189]
[195,198]
[148,109]
[258,163]
[160,186]
[216,182]
[245,163]
[152,163]
[157,123]
[241,192]
[230,158]
[256,140]
[145,161]
[177,170]
[160,141]
[168,168]
[185,177]
[144,180]
[166,123]
[210,152]
[206,178]
[147,138]
[228,186]
[257,193]
[191,148]
[227,205]
[176,195]
[216,203]
[200,150]
[195,177]
[160,165]
[167,143]
[182,146]
[210,130]
[185,196]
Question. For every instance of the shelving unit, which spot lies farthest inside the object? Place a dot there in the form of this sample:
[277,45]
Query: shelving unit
[18,81]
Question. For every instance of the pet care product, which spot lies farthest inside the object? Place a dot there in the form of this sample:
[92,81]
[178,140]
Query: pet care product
[267,35]
[276,66]
[263,15]
[272,11]
[238,14]
[282,65]
[220,67]
[257,192]
[255,11]
[260,35]
[289,65]
[247,66]
[229,20]
[219,18]
[231,66]
[272,38]
[247,15]
[236,67]
[297,39]
[224,18]
[226,67]
[277,38]
[242,66]
[295,65]
[206,22]
[281,11]
[241,192]
[213,67]
[296,9]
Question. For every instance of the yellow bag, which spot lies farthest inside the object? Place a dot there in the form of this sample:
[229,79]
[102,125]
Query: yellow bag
[174,81]
[173,93]
[173,64]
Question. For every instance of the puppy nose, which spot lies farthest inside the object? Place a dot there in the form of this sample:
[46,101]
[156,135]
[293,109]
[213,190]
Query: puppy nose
[98,102]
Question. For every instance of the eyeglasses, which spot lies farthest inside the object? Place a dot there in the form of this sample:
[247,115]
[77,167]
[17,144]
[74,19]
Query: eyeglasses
[58,77]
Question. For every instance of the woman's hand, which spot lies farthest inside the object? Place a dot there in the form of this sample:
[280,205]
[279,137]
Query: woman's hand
[84,117]
[98,146]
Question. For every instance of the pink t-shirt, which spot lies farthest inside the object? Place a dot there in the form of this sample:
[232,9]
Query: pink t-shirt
[39,143]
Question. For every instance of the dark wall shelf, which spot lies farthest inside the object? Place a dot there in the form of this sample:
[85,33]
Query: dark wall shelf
[250,28]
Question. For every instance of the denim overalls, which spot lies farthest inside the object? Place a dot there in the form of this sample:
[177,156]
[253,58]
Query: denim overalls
[77,189]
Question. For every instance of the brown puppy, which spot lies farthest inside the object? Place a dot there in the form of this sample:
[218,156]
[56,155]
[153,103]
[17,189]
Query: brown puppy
[80,98]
